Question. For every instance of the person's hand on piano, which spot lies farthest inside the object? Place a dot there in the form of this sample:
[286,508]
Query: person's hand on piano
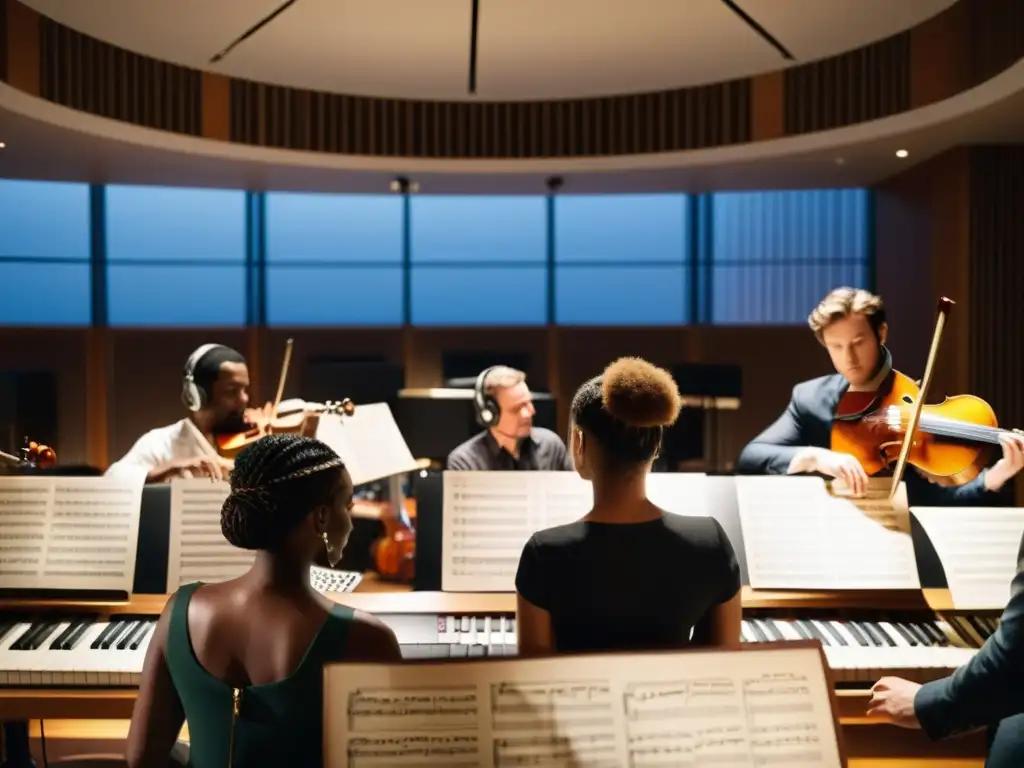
[892,700]
[1009,465]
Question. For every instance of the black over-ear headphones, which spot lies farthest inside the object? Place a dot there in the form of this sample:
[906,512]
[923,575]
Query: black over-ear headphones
[194,396]
[487,410]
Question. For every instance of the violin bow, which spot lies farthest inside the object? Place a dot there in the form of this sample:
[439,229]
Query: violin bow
[945,306]
[283,378]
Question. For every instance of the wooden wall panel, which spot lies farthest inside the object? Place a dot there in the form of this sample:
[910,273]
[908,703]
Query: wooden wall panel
[216,106]
[997,36]
[22,48]
[864,84]
[5,47]
[997,279]
[940,63]
[922,220]
[767,107]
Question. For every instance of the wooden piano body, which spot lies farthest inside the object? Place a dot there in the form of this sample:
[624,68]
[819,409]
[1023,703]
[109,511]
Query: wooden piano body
[865,635]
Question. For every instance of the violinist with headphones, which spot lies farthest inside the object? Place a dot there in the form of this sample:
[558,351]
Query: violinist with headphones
[504,408]
[215,392]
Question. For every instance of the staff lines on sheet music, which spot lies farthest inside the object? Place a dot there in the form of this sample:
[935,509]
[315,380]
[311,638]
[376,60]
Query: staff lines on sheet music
[69,533]
[978,549]
[798,536]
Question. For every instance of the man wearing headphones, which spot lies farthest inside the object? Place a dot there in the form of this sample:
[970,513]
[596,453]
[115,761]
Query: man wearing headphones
[215,390]
[504,407]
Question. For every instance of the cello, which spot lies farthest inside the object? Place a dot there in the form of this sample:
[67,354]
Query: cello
[951,442]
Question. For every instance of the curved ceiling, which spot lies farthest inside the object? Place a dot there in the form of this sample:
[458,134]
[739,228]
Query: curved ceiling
[526,49]
[48,141]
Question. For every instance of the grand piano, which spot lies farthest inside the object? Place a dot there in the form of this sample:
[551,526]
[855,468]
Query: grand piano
[80,660]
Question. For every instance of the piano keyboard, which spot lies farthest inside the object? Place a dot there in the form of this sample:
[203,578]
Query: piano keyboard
[325,580]
[863,651]
[83,651]
[90,651]
[425,636]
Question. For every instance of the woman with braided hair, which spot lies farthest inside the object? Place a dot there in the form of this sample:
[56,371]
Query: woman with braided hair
[628,576]
[242,661]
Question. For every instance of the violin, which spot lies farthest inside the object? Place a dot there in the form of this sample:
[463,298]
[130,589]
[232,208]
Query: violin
[293,416]
[950,441]
[32,455]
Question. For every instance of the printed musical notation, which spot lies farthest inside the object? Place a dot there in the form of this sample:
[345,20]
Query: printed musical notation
[78,533]
[198,550]
[489,517]
[764,707]
[978,550]
[798,536]
[368,441]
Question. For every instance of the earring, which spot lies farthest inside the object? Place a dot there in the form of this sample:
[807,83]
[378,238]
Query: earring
[327,545]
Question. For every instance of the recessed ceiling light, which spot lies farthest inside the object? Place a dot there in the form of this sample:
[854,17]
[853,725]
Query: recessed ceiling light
[901,153]
[2,145]
[840,161]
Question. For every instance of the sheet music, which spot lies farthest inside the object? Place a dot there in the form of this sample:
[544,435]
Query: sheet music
[78,533]
[198,550]
[978,548]
[368,441]
[766,707]
[798,536]
[489,516]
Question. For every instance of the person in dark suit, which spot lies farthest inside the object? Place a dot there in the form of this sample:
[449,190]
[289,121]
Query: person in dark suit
[987,691]
[850,324]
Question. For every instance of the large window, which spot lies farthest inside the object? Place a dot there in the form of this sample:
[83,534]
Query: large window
[176,257]
[44,253]
[776,254]
[621,260]
[334,259]
[478,261]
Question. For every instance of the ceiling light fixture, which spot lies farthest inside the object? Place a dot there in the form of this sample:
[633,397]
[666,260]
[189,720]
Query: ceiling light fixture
[2,145]
[901,153]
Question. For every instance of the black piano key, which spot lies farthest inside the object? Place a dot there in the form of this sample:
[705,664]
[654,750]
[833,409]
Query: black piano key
[26,633]
[37,636]
[812,632]
[6,626]
[936,634]
[770,629]
[758,632]
[126,636]
[840,640]
[879,637]
[478,623]
[59,640]
[110,639]
[980,628]
[922,637]
[72,641]
[146,629]
[104,634]
[857,633]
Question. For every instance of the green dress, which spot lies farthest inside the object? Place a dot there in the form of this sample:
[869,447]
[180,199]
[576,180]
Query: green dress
[277,724]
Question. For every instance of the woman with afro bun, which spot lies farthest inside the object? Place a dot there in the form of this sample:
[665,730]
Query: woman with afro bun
[628,576]
[242,660]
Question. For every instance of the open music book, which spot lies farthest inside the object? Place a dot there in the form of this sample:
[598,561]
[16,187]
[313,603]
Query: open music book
[368,441]
[797,535]
[978,549]
[769,706]
[69,533]
[198,550]
[489,516]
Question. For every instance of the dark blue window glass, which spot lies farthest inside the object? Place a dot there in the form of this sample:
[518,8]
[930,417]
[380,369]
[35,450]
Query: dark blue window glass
[479,296]
[44,253]
[176,256]
[621,259]
[776,254]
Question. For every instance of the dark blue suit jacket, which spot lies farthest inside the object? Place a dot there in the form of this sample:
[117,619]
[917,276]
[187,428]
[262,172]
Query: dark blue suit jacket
[987,689]
[807,421]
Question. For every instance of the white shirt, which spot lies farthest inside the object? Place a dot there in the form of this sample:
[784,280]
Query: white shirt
[181,440]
